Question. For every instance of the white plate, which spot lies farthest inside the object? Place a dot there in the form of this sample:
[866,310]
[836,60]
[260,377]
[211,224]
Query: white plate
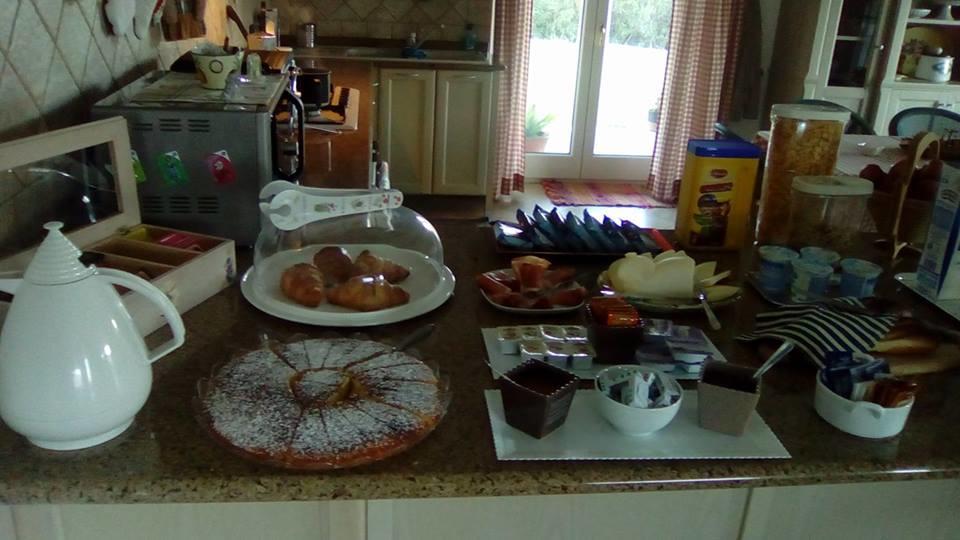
[530,311]
[430,285]
[526,311]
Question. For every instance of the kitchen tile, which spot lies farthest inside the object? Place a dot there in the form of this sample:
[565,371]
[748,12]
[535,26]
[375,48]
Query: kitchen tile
[434,8]
[49,11]
[106,41]
[453,18]
[378,30]
[97,80]
[344,14]
[19,115]
[328,28]
[90,8]
[73,39]
[62,91]
[402,30]
[30,51]
[354,29]
[363,8]
[398,8]
[327,7]
[124,64]
[415,15]
[8,13]
[381,15]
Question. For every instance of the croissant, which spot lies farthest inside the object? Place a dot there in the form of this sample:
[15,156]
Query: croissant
[303,283]
[369,264]
[367,293]
[334,263]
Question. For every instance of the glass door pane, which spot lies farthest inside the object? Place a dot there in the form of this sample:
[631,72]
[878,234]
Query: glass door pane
[857,30]
[631,80]
[552,84]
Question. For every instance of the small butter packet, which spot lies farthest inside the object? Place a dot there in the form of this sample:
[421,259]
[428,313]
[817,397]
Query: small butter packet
[581,355]
[552,332]
[575,334]
[508,338]
[530,332]
[558,354]
[532,349]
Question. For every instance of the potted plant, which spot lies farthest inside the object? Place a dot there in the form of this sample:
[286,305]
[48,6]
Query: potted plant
[534,130]
[653,116]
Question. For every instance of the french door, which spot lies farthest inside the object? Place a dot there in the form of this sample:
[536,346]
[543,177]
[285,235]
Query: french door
[593,96]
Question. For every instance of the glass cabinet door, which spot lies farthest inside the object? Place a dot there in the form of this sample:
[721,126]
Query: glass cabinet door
[858,43]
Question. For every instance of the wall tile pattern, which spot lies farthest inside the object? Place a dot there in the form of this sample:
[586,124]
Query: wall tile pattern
[57,59]
[433,19]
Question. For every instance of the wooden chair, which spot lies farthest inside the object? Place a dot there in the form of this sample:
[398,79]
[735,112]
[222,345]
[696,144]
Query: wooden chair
[909,122]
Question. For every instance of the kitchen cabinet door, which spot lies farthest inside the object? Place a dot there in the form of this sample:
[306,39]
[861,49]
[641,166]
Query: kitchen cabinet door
[462,134]
[406,120]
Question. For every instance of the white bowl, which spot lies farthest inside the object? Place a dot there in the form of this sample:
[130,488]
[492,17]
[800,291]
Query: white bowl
[860,418]
[633,420]
[919,13]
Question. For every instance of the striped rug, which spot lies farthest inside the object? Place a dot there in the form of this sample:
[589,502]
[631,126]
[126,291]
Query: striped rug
[587,193]
[817,329]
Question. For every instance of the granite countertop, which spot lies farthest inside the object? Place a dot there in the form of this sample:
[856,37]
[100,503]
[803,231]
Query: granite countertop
[167,457]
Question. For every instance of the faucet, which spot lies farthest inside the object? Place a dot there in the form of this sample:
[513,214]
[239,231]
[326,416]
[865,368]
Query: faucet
[414,48]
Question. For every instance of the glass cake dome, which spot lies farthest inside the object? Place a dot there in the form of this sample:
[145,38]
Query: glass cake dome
[372,229]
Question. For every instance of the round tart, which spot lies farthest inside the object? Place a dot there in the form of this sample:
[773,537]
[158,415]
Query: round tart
[322,403]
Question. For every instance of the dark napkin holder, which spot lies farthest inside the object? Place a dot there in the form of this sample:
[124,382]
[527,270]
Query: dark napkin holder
[728,395]
[537,397]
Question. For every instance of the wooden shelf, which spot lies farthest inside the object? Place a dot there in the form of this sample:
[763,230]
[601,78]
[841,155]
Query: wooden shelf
[933,22]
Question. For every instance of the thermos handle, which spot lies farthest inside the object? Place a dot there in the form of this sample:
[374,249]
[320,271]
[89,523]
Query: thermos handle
[142,286]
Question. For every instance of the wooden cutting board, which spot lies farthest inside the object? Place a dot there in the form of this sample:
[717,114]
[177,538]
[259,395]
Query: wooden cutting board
[946,357]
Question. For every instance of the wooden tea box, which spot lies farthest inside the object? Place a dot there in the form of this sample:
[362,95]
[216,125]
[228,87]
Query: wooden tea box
[84,176]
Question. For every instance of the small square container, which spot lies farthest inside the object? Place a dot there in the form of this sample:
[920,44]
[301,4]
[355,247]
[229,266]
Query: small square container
[575,334]
[810,279]
[508,339]
[537,397]
[530,332]
[581,355]
[614,344]
[775,267]
[558,354]
[858,278]
[728,395]
[533,349]
[552,332]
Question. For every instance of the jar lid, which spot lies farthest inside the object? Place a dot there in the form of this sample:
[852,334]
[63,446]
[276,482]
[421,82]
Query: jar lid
[802,111]
[833,185]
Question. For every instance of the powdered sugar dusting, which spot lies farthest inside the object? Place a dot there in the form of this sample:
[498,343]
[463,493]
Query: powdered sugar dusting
[340,352]
[260,404]
[250,403]
[421,398]
[405,372]
[316,385]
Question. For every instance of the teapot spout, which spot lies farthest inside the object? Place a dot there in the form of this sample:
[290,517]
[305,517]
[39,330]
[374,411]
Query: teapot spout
[10,286]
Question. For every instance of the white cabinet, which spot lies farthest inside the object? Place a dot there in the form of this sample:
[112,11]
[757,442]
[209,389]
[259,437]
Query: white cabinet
[461,151]
[909,95]
[405,133]
[435,129]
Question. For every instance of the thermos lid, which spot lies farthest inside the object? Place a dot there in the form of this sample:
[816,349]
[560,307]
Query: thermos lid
[836,186]
[803,111]
[57,260]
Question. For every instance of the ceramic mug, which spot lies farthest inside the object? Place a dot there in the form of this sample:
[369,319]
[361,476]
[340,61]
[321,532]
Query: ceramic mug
[214,65]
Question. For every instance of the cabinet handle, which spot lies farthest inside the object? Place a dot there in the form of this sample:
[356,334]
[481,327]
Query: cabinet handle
[467,77]
[409,75]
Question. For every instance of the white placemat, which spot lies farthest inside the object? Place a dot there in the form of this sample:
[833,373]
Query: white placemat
[586,436]
[505,362]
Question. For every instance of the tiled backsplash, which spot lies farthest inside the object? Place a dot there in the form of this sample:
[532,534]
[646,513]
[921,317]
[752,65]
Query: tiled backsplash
[57,59]
[433,19]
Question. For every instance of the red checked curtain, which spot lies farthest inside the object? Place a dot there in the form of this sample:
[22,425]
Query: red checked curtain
[514,22]
[698,85]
